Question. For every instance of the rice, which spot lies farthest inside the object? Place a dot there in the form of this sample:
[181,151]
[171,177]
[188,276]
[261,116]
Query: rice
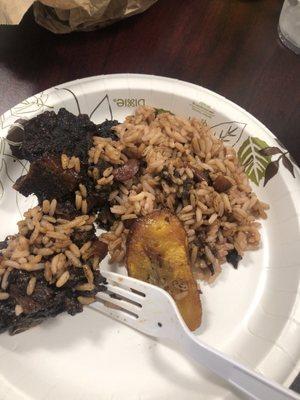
[181,163]
[84,300]
[31,286]
[47,250]
[4,296]
[18,310]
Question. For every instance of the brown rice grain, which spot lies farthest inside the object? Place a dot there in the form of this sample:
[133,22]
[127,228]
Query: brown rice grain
[85,287]
[56,235]
[10,263]
[4,282]
[84,207]
[77,164]
[64,161]
[86,300]
[46,206]
[34,234]
[18,310]
[86,228]
[46,224]
[19,254]
[88,273]
[52,209]
[33,267]
[31,286]
[43,251]
[75,250]
[212,218]
[78,201]
[54,263]
[107,172]
[47,272]
[95,263]
[85,247]
[4,296]
[49,219]
[63,279]
[61,262]
[83,190]
[74,260]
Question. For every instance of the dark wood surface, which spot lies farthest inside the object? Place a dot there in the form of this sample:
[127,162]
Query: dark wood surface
[229,46]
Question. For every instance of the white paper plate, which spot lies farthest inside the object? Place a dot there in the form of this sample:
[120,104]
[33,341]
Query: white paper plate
[252,314]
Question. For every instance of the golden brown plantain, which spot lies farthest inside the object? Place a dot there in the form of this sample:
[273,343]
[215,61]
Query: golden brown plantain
[157,252]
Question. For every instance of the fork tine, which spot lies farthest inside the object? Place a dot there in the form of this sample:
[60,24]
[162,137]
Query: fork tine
[125,293]
[120,303]
[126,281]
[117,314]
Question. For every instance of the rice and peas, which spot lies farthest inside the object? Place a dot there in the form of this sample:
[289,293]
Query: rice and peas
[165,161]
[44,243]
[180,164]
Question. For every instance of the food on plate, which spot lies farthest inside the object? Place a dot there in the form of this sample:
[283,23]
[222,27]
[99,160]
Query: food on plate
[52,134]
[50,266]
[47,179]
[157,253]
[155,166]
[170,162]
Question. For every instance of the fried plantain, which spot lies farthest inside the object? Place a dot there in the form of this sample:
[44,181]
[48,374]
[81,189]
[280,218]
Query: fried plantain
[157,253]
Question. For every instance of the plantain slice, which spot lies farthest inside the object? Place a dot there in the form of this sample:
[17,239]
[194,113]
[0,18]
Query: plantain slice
[157,253]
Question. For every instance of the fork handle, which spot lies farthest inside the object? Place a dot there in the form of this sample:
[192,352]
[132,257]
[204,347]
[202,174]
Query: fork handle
[254,385]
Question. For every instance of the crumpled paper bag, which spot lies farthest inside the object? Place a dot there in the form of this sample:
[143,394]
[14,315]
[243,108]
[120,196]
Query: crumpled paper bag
[64,16]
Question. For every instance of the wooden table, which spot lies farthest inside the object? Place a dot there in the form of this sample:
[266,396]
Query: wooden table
[231,47]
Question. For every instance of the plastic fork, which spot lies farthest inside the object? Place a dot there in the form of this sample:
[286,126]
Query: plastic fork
[152,310]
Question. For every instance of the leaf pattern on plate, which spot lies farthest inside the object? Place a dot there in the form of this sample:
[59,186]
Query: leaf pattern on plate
[74,95]
[231,131]
[270,151]
[3,123]
[104,100]
[34,104]
[271,171]
[250,157]
[288,164]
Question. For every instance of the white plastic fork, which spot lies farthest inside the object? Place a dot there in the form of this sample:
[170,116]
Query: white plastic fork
[152,311]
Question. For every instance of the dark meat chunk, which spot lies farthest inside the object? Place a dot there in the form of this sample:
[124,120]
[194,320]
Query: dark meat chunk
[66,210]
[53,134]
[126,171]
[47,179]
[7,314]
[98,249]
[222,184]
[233,258]
[45,302]
[104,130]
[97,199]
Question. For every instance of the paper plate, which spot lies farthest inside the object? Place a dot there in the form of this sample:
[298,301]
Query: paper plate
[252,314]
